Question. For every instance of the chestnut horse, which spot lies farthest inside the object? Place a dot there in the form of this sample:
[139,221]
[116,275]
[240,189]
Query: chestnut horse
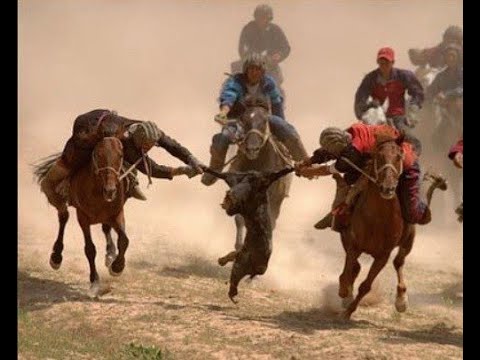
[97,191]
[377,226]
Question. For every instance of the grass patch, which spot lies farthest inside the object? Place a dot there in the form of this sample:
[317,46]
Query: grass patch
[134,351]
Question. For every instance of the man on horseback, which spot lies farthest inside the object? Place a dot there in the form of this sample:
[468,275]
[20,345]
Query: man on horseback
[262,36]
[434,56]
[252,81]
[137,137]
[351,149]
[392,83]
[447,87]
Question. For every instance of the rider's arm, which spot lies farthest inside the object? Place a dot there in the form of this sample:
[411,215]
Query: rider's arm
[414,88]
[243,46]
[230,92]
[157,171]
[280,43]
[362,94]
[175,149]
[435,87]
[320,156]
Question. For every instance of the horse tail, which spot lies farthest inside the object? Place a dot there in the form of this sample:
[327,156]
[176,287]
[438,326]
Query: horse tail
[41,168]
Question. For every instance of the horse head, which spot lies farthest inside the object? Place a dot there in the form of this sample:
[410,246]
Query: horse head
[254,122]
[107,159]
[388,164]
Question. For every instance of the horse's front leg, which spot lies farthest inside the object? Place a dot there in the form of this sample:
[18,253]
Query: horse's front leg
[348,276]
[401,302]
[119,263]
[366,285]
[90,252]
[56,256]
[111,251]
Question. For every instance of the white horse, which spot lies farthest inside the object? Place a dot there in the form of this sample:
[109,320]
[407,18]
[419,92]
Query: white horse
[376,115]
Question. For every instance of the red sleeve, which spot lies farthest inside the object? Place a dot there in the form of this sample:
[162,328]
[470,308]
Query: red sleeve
[457,148]
[409,155]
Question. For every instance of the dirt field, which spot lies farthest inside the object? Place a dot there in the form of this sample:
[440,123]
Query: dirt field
[164,61]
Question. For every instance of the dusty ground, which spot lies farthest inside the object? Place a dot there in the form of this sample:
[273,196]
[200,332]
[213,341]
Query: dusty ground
[164,61]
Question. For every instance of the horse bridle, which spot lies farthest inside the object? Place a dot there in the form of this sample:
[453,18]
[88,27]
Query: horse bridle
[106,168]
[263,135]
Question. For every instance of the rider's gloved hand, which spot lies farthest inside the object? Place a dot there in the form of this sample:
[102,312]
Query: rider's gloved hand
[196,165]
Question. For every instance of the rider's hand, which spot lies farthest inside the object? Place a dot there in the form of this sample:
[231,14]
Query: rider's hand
[186,170]
[196,165]
[306,171]
[221,118]
[458,160]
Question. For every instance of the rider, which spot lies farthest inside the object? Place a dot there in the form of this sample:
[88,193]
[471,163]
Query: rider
[137,137]
[356,144]
[447,87]
[434,56]
[261,35]
[456,155]
[392,83]
[252,80]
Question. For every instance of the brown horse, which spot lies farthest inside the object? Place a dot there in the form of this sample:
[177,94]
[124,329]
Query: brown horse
[97,191]
[259,151]
[377,226]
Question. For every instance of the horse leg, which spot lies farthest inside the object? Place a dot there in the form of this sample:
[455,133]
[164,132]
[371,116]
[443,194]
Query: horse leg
[119,263]
[111,249]
[56,256]
[366,285]
[90,252]
[348,276]
[401,302]
[240,224]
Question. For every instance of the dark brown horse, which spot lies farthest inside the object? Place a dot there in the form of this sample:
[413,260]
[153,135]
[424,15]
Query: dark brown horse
[259,151]
[97,191]
[377,226]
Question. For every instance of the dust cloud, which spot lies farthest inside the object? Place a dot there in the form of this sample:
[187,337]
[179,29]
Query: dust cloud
[164,61]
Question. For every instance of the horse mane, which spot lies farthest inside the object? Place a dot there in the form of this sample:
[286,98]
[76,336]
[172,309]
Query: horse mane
[41,168]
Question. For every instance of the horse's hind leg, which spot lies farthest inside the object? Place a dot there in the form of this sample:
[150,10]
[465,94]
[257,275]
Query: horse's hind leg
[348,276]
[90,252]
[119,263]
[366,285]
[401,302]
[56,256]
[111,249]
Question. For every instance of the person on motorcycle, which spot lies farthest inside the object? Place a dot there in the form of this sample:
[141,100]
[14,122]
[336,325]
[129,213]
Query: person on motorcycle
[263,37]
[252,80]
[389,82]
[433,56]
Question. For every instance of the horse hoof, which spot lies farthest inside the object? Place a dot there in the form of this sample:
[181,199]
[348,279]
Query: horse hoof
[346,301]
[109,259]
[401,305]
[116,269]
[55,265]
[94,290]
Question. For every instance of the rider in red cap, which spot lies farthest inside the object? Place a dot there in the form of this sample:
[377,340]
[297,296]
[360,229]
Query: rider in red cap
[389,82]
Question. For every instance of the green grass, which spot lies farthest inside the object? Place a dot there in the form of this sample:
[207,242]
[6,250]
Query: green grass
[134,351]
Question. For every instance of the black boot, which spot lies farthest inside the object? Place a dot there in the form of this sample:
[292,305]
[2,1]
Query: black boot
[325,223]
[217,162]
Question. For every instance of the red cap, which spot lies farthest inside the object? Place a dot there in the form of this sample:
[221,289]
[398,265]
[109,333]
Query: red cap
[386,53]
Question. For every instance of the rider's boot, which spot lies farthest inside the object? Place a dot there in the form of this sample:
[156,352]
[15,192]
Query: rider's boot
[218,152]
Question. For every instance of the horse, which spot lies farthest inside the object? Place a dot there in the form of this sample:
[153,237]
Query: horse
[248,196]
[98,192]
[258,150]
[376,226]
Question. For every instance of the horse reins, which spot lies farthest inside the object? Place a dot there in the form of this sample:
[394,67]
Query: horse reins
[377,171]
